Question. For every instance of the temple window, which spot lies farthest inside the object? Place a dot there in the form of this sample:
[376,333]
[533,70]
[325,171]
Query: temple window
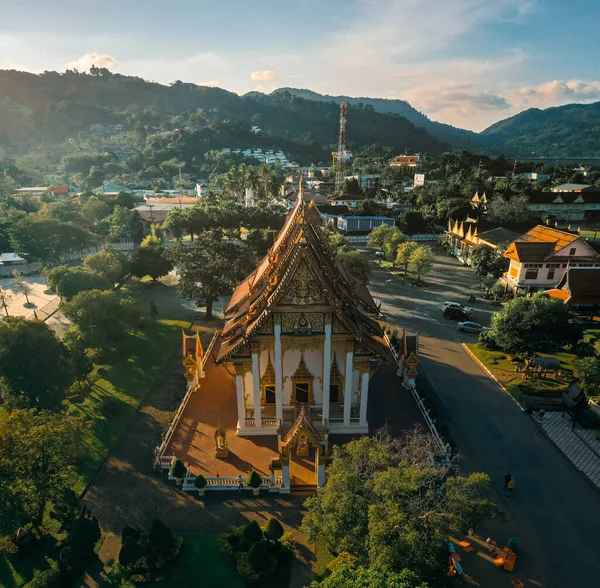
[302,392]
[336,383]
[302,384]
[334,392]
[270,394]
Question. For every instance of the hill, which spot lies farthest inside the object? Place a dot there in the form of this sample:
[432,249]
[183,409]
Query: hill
[461,138]
[46,109]
[562,131]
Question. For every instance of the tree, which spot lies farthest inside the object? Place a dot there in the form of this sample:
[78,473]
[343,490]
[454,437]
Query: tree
[69,281]
[488,282]
[350,575]
[34,364]
[405,250]
[5,299]
[160,539]
[378,236]
[20,284]
[109,262]
[209,270]
[392,241]
[95,210]
[102,318]
[150,261]
[135,226]
[273,530]
[412,222]
[421,261]
[355,264]
[131,551]
[536,323]
[486,260]
[390,504]
[587,371]
[508,211]
[83,534]
[37,453]
[176,222]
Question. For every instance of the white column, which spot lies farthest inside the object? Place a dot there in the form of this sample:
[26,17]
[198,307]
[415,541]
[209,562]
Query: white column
[278,375]
[364,398]
[239,388]
[256,389]
[285,477]
[348,389]
[326,373]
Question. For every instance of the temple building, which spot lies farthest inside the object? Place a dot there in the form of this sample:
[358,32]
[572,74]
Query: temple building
[289,371]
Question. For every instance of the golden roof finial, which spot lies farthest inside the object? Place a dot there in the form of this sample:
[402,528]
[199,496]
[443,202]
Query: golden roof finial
[301,187]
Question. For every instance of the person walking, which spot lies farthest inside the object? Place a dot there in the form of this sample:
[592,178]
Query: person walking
[510,486]
[507,478]
[240,483]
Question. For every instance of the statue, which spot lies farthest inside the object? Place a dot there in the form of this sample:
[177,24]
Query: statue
[221,448]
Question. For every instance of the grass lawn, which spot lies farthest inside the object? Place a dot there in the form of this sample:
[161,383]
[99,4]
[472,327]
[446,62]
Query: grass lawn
[201,564]
[126,380]
[499,364]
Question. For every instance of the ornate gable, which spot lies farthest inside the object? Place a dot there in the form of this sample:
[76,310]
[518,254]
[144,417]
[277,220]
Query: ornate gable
[303,288]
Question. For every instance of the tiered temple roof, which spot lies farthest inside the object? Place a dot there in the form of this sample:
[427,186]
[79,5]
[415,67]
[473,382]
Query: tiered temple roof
[302,247]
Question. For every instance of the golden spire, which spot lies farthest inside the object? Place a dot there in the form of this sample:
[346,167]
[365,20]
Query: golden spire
[301,187]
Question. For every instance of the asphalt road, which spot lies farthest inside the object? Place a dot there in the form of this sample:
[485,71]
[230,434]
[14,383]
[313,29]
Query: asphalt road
[554,511]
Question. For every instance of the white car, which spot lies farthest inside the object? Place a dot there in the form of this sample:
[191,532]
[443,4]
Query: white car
[379,253]
[456,305]
[470,327]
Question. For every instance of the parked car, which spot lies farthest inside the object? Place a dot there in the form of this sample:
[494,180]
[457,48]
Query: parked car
[457,314]
[456,305]
[379,253]
[470,327]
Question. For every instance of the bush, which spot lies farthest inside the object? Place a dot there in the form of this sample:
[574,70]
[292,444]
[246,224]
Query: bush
[260,558]
[129,531]
[541,387]
[160,539]
[288,542]
[109,406]
[131,552]
[251,533]
[178,469]
[46,579]
[488,341]
[8,546]
[247,572]
[200,481]
[273,530]
[254,480]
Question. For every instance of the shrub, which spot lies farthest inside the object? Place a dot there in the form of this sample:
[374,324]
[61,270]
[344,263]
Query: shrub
[129,531]
[288,542]
[541,387]
[178,469]
[131,551]
[251,533]
[8,546]
[273,530]
[160,539]
[200,481]
[254,480]
[260,558]
[108,406]
[488,341]
[84,533]
[46,579]
[247,572]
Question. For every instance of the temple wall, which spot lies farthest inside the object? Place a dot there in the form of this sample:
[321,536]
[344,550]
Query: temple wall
[314,362]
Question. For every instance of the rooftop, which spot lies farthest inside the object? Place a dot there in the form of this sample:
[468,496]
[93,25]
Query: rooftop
[579,285]
[498,236]
[539,243]
[574,188]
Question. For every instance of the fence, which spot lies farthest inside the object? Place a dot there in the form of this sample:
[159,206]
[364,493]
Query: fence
[424,237]
[444,447]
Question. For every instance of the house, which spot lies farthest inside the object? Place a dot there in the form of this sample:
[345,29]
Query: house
[539,258]
[351,201]
[405,161]
[156,210]
[11,259]
[579,289]
[462,237]
[535,176]
[563,205]
[575,188]
[362,224]
[366,181]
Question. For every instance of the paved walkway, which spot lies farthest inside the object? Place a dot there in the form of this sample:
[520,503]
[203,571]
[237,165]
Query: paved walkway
[579,445]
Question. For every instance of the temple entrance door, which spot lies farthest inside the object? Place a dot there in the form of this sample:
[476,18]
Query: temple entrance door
[302,463]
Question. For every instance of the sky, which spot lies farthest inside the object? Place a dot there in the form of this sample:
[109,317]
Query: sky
[468,63]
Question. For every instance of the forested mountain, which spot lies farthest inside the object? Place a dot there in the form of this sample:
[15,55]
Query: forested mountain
[563,131]
[457,137]
[52,107]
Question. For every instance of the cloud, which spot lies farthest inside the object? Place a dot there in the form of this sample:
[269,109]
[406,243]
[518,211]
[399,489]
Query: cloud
[211,84]
[557,92]
[265,75]
[99,60]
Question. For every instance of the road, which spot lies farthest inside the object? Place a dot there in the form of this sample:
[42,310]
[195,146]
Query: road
[554,511]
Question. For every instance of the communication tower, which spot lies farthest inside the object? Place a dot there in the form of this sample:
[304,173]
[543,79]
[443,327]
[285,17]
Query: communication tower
[341,151]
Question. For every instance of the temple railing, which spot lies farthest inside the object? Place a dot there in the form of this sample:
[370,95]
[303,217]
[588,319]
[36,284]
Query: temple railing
[272,484]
